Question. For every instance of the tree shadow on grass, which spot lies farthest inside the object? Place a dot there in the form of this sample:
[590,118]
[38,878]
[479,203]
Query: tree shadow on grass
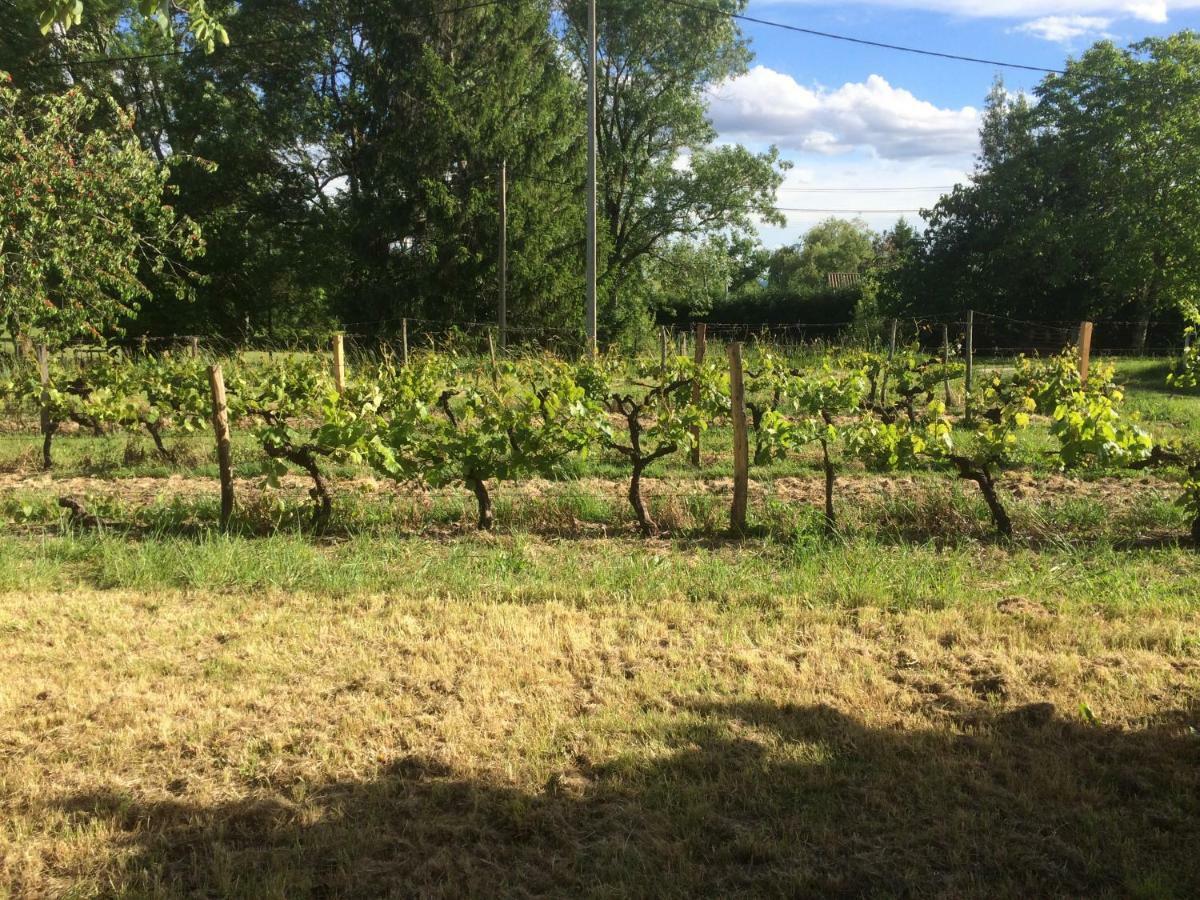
[743,799]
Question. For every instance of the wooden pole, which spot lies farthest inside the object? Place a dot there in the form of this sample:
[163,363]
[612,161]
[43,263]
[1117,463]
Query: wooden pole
[195,342]
[503,310]
[662,347]
[592,152]
[741,441]
[891,356]
[220,418]
[970,361]
[701,346]
[492,354]
[339,363]
[43,361]
[1085,350]
[946,361]
[404,341]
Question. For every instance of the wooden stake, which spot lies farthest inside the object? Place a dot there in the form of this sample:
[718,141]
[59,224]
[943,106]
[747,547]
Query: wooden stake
[43,361]
[970,361]
[741,441]
[492,354]
[946,361]
[701,346]
[195,347]
[339,363]
[220,418]
[502,312]
[1085,350]
[662,347]
[404,341]
[891,355]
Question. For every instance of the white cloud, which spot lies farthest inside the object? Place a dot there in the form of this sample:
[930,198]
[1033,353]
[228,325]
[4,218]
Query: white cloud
[765,106]
[1145,10]
[1064,29]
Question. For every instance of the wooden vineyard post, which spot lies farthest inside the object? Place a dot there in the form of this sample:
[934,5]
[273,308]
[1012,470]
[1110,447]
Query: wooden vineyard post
[741,442]
[195,342]
[492,354]
[220,418]
[946,362]
[43,361]
[1085,350]
[502,311]
[404,341]
[701,341]
[662,347]
[970,361]
[339,363]
[894,324]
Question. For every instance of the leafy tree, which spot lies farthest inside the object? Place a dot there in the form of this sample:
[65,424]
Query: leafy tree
[661,178]
[83,218]
[1084,202]
[834,245]
[1127,120]
[205,26]
[686,279]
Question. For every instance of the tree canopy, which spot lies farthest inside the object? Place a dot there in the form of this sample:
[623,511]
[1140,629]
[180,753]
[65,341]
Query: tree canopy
[1084,200]
[84,222]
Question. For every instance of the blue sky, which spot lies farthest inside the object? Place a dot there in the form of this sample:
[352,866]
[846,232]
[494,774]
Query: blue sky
[850,117]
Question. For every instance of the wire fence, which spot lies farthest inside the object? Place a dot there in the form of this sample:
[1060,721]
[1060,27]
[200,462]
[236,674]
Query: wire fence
[992,336]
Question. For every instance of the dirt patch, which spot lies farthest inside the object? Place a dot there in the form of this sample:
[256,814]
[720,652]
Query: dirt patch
[858,489]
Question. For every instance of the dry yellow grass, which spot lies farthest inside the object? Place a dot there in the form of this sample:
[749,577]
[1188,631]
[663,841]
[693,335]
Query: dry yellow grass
[193,744]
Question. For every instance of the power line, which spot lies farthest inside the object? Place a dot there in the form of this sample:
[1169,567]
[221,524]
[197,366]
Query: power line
[865,190]
[700,7]
[848,212]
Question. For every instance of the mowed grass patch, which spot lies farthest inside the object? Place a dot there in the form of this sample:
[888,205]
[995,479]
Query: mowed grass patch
[655,741]
[768,576]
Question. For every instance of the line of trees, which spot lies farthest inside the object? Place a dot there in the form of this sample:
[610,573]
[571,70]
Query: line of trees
[341,159]
[357,145]
[1085,202]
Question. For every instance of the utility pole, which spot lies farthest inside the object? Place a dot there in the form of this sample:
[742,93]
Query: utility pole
[591,181]
[503,312]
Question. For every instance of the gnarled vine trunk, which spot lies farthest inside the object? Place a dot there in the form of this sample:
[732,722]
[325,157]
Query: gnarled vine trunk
[155,431]
[49,428]
[305,458]
[645,524]
[484,500]
[830,476]
[983,477]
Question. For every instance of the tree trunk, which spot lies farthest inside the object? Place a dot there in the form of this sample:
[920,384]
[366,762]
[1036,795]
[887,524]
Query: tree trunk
[484,499]
[830,516]
[645,523]
[1145,309]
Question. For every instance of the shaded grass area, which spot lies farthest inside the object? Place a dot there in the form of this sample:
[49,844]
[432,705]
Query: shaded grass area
[940,736]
